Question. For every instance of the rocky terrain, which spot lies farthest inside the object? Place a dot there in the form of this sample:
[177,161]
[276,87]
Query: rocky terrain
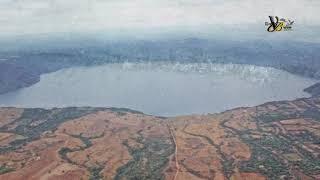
[276,140]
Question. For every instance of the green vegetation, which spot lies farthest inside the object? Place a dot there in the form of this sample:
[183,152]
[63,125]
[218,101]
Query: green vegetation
[307,136]
[310,164]
[63,154]
[276,143]
[124,110]
[95,173]
[149,161]
[4,169]
[264,162]
[284,113]
[313,113]
[50,120]
[85,140]
[271,154]
[275,116]
[228,166]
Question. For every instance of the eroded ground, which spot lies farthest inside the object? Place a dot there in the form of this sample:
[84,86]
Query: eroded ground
[278,140]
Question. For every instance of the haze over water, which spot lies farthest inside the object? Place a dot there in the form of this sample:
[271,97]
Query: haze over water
[161,88]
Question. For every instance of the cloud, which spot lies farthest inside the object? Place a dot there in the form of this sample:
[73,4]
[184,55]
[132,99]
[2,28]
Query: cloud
[45,16]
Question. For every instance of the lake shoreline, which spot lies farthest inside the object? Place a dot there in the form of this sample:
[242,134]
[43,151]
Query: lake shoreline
[210,87]
[14,66]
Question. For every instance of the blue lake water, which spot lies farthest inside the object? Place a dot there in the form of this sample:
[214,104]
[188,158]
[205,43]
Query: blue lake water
[161,88]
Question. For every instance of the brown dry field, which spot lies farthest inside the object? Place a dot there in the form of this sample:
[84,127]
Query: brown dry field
[211,146]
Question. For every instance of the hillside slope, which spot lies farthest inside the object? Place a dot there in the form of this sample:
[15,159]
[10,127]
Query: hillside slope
[13,77]
[276,140]
[314,90]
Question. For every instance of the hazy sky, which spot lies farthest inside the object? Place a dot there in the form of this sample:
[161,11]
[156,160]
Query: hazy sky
[46,16]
